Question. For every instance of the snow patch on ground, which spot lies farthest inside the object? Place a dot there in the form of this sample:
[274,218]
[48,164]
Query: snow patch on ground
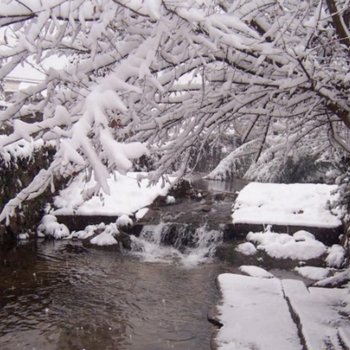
[246,248]
[255,271]
[313,272]
[286,204]
[127,195]
[301,246]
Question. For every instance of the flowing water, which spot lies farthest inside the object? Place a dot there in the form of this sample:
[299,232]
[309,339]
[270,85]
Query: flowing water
[61,295]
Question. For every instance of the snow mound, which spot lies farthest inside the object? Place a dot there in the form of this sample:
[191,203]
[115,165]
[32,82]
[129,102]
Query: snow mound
[246,248]
[287,204]
[300,246]
[255,271]
[170,200]
[313,272]
[124,221]
[49,227]
[106,238]
[336,256]
[89,231]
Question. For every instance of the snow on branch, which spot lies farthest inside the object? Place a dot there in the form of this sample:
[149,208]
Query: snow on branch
[125,78]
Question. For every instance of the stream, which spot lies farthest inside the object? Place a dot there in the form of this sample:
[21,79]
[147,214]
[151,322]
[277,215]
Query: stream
[61,295]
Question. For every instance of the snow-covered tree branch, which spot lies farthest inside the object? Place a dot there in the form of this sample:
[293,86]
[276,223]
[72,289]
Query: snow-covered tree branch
[164,76]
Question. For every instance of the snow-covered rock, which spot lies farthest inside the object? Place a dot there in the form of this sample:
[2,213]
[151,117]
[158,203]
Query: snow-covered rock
[255,271]
[124,221]
[107,236]
[49,227]
[313,272]
[23,236]
[104,239]
[170,200]
[301,246]
[336,256]
[246,248]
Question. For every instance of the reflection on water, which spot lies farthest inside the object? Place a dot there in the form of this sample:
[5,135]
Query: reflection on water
[59,295]
[231,185]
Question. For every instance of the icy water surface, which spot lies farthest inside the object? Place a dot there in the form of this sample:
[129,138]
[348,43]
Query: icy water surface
[59,295]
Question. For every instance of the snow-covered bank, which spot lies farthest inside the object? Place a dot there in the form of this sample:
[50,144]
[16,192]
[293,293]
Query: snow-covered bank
[265,314]
[127,196]
[287,204]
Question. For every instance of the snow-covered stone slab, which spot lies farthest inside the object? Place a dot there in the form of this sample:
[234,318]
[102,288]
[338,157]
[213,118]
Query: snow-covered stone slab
[254,315]
[323,314]
[127,196]
[287,205]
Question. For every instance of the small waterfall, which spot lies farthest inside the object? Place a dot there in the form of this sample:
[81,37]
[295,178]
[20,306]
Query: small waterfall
[175,242]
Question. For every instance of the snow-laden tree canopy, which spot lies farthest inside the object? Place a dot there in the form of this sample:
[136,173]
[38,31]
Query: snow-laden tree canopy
[167,76]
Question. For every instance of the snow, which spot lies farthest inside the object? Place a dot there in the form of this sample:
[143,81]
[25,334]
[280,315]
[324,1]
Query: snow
[19,150]
[23,236]
[339,278]
[87,232]
[321,313]
[104,239]
[286,204]
[336,256]
[246,302]
[49,227]
[170,200]
[246,248]
[127,196]
[300,246]
[255,271]
[124,221]
[313,272]
[264,314]
[141,213]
